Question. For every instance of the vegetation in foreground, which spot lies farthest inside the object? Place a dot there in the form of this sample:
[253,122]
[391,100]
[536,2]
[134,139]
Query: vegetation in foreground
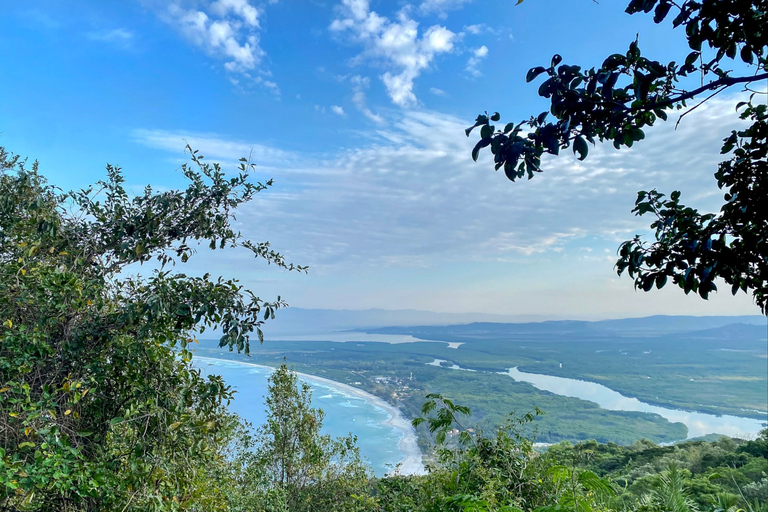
[100,408]
[292,468]
[617,101]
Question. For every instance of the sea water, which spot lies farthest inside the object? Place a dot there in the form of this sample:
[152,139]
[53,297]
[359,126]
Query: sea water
[344,413]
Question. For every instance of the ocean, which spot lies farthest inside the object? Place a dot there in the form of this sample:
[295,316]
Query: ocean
[345,412]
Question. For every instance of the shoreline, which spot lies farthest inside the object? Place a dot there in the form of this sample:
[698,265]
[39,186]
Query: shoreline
[412,462]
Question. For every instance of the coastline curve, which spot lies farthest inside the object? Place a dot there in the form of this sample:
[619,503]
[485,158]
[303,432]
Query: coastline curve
[412,461]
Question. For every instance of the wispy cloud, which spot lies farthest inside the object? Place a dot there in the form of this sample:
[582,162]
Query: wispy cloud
[438,92]
[484,29]
[337,110]
[38,19]
[117,36]
[441,6]
[397,45]
[413,196]
[213,146]
[359,86]
[476,29]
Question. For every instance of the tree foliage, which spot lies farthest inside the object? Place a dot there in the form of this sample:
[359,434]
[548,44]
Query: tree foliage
[291,465]
[619,100]
[100,408]
[502,472]
[476,471]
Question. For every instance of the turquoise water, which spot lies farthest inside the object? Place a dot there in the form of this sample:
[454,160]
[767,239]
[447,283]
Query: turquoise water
[344,413]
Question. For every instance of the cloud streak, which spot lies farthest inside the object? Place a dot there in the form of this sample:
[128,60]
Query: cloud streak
[441,6]
[359,85]
[118,36]
[413,196]
[214,147]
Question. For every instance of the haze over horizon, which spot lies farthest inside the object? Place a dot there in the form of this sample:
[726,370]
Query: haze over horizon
[357,109]
[317,322]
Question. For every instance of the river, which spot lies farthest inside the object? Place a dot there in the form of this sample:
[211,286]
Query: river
[699,424]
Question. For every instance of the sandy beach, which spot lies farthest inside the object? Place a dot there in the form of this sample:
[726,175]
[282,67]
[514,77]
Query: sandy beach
[412,463]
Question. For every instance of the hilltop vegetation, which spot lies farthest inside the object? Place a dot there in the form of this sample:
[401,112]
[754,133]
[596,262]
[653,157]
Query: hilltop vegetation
[100,408]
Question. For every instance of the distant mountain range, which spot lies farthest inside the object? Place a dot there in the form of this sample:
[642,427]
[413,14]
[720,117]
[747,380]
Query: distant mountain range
[316,321]
[744,332]
[704,326]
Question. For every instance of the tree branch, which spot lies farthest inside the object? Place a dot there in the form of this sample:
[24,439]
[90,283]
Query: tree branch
[723,82]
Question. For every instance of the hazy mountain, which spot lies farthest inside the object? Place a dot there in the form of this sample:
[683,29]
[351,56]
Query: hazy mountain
[739,331]
[660,323]
[295,321]
[315,321]
[717,326]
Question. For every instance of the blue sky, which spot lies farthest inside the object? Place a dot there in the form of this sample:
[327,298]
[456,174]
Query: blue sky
[357,111]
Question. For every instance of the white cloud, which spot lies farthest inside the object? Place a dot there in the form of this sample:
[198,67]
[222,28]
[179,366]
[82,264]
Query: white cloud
[224,29]
[269,84]
[337,110]
[395,44]
[478,54]
[484,29]
[118,36]
[476,29]
[213,146]
[239,8]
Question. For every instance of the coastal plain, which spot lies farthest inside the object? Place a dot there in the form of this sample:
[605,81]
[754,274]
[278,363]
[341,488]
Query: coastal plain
[718,369]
